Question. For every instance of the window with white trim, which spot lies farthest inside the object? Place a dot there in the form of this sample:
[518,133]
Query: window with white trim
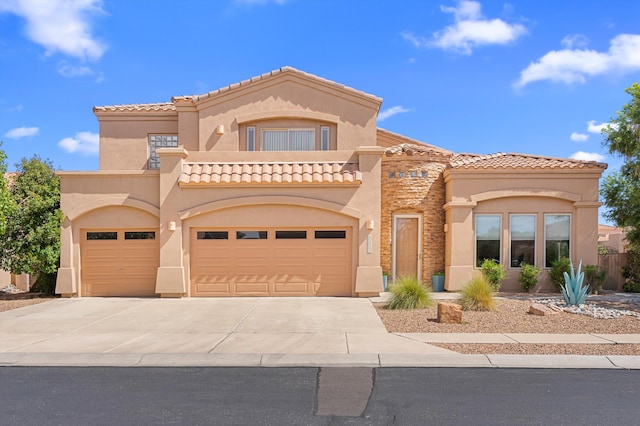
[160,141]
[488,241]
[251,138]
[288,140]
[557,237]
[522,233]
[324,138]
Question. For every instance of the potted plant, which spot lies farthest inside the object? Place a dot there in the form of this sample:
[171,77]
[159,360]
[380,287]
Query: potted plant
[437,281]
[385,281]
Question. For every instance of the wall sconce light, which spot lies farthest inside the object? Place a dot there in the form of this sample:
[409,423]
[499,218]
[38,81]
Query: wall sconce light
[171,226]
[220,129]
[370,224]
[446,228]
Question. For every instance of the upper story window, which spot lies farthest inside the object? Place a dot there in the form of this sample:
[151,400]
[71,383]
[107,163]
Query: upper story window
[269,137]
[288,140]
[160,141]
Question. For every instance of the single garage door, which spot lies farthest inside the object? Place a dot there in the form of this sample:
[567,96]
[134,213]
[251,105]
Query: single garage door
[271,262]
[119,262]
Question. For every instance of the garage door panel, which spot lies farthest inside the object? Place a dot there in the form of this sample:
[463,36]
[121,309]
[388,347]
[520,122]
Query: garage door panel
[286,266]
[118,266]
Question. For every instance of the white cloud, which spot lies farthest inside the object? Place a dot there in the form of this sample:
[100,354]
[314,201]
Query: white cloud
[588,156]
[390,112]
[83,143]
[22,132]
[575,65]
[66,70]
[579,137]
[574,40]
[592,127]
[60,25]
[16,108]
[470,30]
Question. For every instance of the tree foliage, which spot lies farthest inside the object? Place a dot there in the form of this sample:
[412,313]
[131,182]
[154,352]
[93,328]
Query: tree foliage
[31,240]
[6,202]
[621,190]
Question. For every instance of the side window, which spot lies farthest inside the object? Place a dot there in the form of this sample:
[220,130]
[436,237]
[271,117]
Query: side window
[160,141]
[488,242]
[251,138]
[557,237]
[324,138]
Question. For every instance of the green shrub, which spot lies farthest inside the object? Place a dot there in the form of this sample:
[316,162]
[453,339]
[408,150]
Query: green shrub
[477,295]
[493,273]
[528,276]
[45,283]
[595,277]
[556,273]
[409,293]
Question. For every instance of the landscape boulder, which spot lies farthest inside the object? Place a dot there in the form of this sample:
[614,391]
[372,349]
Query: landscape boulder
[541,310]
[449,313]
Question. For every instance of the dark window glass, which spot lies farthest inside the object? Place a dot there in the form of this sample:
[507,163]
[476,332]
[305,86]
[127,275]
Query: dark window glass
[140,235]
[557,235]
[291,235]
[331,234]
[213,235]
[251,235]
[102,235]
[488,231]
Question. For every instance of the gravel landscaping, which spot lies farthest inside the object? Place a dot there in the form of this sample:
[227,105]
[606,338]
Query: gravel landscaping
[511,316]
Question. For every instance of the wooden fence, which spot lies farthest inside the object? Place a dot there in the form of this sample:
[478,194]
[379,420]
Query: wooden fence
[613,264]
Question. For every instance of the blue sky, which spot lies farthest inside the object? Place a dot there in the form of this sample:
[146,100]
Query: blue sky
[537,77]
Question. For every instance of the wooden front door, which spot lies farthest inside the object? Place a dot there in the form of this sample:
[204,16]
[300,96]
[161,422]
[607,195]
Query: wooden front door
[407,245]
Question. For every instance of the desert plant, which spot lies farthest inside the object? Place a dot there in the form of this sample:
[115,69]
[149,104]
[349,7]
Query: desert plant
[528,276]
[573,291]
[407,292]
[493,273]
[477,295]
[556,273]
[595,277]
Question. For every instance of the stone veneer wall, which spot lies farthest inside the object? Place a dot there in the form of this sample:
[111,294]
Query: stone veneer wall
[420,191]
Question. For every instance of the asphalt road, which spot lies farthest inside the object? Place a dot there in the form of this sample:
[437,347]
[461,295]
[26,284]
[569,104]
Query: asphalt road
[313,396]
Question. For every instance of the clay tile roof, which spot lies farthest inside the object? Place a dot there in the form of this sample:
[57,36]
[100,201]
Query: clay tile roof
[416,149]
[163,106]
[194,174]
[503,160]
[267,75]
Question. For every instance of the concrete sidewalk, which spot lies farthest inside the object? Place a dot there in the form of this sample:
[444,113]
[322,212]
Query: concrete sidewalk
[253,332]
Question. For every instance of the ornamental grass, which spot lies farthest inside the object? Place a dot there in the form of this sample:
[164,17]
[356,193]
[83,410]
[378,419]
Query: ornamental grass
[477,295]
[409,293]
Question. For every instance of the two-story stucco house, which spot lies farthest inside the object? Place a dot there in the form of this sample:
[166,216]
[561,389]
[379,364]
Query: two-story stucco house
[282,185]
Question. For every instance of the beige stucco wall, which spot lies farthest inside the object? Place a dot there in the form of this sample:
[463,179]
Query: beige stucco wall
[540,192]
[124,194]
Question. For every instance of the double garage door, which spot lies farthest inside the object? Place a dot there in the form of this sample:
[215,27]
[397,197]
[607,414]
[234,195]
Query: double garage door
[119,262]
[223,262]
[270,262]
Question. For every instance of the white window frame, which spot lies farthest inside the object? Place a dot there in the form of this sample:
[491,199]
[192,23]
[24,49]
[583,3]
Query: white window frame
[475,237]
[325,138]
[545,235]
[251,138]
[535,239]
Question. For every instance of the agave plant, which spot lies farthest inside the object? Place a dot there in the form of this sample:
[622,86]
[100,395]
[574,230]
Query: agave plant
[573,291]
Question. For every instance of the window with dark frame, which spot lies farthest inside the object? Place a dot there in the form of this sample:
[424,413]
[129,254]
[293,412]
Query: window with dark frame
[102,235]
[319,235]
[212,235]
[291,235]
[140,235]
[251,235]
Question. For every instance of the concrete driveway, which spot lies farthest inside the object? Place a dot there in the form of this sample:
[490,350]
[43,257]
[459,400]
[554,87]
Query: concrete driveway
[202,326]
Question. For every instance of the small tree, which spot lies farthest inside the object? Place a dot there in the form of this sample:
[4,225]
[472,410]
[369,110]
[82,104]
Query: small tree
[556,273]
[6,202]
[621,190]
[31,242]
